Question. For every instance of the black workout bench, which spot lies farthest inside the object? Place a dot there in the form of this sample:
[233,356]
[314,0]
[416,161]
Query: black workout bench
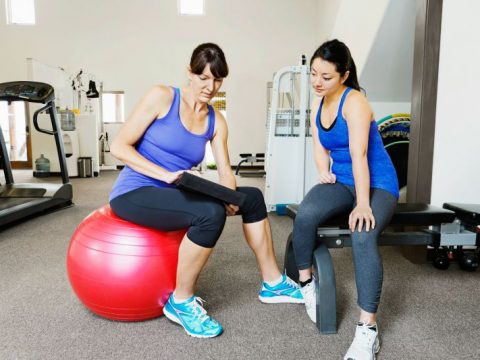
[434,226]
[251,170]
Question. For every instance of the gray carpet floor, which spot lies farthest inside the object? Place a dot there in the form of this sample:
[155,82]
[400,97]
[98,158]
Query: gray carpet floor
[425,313]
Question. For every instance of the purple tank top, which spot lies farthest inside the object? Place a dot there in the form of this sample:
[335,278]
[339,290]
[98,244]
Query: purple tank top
[166,143]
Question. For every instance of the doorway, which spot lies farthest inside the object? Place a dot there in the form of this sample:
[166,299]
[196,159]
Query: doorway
[15,127]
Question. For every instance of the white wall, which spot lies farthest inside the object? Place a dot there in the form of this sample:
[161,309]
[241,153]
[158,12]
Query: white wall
[382,109]
[380,35]
[456,170]
[388,69]
[136,44]
[328,11]
[354,22]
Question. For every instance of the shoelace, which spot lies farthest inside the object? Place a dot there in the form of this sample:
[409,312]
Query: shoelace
[197,306]
[366,333]
[291,282]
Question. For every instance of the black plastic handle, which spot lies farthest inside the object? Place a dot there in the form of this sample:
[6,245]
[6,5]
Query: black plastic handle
[35,120]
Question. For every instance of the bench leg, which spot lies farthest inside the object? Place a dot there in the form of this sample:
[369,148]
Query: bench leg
[290,266]
[325,289]
[239,164]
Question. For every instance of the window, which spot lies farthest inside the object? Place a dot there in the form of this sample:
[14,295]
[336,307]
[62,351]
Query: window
[191,7]
[113,106]
[20,12]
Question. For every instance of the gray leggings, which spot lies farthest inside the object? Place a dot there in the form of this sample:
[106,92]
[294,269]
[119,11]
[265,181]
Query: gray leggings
[326,200]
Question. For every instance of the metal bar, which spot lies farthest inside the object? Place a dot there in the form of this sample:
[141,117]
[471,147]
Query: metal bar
[290,266]
[59,142]
[7,170]
[343,239]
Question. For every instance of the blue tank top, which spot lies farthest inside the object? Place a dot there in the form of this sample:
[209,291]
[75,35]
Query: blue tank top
[335,139]
[166,143]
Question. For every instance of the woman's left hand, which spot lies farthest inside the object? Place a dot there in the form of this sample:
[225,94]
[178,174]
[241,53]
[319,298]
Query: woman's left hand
[231,209]
[360,214]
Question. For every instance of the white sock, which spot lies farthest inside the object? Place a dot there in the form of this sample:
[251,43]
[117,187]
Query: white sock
[275,282]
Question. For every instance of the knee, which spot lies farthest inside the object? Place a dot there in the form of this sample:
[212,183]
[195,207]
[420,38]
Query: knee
[254,208]
[254,196]
[364,241]
[208,226]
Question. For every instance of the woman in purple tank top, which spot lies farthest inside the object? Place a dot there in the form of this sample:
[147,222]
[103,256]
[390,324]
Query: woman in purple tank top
[356,175]
[165,136]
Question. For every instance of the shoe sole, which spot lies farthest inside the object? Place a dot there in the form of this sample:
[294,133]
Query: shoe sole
[314,318]
[174,319]
[280,300]
[376,349]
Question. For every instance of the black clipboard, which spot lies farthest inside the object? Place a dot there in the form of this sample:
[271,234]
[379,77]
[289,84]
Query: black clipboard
[200,185]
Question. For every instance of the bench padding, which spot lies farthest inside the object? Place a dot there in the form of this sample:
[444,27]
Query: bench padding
[405,214]
[469,213]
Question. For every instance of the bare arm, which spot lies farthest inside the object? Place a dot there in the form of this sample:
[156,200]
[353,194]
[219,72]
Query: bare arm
[359,116]
[155,103]
[320,154]
[220,152]
[222,159]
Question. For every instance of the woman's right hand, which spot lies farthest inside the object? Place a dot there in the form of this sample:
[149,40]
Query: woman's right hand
[173,177]
[327,178]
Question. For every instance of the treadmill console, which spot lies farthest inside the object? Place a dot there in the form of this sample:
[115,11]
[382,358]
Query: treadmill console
[30,91]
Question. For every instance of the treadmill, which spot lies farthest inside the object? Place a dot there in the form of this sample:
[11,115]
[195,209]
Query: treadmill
[21,201]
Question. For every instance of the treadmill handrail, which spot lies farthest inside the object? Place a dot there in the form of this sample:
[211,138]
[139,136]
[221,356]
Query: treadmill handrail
[50,108]
[4,160]
[35,120]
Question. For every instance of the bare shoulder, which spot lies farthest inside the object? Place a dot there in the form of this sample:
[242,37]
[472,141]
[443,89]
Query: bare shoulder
[159,95]
[219,118]
[220,122]
[356,102]
[356,98]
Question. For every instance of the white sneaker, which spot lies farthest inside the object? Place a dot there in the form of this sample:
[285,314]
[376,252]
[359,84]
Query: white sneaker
[308,292]
[365,345]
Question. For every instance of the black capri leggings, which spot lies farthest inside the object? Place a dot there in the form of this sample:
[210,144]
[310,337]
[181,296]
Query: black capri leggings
[169,209]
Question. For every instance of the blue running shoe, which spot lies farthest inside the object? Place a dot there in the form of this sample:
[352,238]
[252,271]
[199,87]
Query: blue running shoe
[287,291]
[193,317]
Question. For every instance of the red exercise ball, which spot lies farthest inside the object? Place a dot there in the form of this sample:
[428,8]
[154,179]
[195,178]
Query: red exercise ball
[120,270]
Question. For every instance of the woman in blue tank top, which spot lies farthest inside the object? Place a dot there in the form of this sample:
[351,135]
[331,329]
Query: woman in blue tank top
[356,174]
[165,136]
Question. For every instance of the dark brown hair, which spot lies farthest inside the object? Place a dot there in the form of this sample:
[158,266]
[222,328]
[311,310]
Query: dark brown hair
[211,54]
[336,52]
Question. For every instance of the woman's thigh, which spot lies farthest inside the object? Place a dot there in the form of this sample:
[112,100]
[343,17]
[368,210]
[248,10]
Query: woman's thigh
[166,209]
